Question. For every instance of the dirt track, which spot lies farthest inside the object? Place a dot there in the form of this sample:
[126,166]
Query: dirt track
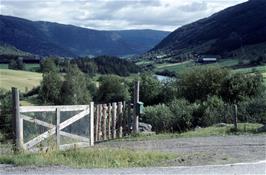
[190,151]
[203,150]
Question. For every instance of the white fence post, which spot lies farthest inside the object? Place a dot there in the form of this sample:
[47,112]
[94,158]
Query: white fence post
[91,123]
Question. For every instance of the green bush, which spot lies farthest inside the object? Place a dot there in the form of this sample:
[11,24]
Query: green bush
[112,89]
[198,83]
[182,114]
[215,111]
[253,110]
[160,117]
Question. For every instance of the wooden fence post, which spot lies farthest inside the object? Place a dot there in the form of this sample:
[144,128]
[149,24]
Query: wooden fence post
[58,128]
[104,122]
[96,123]
[91,123]
[109,120]
[17,120]
[114,108]
[235,118]
[100,122]
[124,122]
[129,117]
[136,100]
[120,115]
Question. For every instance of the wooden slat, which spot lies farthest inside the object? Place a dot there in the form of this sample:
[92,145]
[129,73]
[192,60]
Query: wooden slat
[74,118]
[109,120]
[39,138]
[53,108]
[74,136]
[104,122]
[120,115]
[58,127]
[97,123]
[91,123]
[74,145]
[36,121]
[114,108]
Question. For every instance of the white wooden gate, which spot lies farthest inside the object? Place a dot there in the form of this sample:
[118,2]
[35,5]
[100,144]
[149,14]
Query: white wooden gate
[55,129]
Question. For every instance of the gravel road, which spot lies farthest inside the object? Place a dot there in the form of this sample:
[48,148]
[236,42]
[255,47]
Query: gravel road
[200,155]
[203,150]
[243,168]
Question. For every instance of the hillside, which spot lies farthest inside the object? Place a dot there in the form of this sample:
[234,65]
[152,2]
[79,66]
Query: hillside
[46,38]
[227,30]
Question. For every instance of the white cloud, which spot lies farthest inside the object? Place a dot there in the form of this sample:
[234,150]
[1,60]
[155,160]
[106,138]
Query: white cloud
[116,14]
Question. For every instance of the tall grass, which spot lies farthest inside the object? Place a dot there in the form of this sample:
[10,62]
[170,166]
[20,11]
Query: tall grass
[90,158]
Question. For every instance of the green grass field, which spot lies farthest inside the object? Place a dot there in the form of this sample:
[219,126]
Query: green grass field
[28,67]
[243,129]
[90,158]
[20,79]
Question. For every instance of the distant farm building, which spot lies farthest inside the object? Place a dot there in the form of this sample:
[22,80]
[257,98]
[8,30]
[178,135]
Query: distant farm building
[206,59]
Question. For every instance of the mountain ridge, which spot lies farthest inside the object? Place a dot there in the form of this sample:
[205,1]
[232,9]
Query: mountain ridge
[51,38]
[222,32]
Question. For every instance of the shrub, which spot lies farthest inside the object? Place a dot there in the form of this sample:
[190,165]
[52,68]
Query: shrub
[182,114]
[160,117]
[112,89]
[237,87]
[215,111]
[150,89]
[200,82]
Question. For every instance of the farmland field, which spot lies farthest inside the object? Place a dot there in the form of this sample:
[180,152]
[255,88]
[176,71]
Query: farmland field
[28,67]
[20,79]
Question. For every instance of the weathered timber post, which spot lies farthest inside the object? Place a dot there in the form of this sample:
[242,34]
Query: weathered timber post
[124,119]
[58,128]
[135,115]
[104,122]
[120,115]
[100,122]
[129,117]
[235,118]
[109,120]
[114,108]
[91,123]
[96,123]
[17,121]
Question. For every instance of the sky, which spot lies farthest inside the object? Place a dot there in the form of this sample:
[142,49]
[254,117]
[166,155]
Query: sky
[116,14]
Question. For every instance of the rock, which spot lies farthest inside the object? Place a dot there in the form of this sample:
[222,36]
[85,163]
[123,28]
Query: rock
[262,129]
[197,127]
[144,127]
[220,125]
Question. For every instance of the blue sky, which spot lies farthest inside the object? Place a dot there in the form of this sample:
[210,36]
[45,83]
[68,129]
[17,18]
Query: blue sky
[116,14]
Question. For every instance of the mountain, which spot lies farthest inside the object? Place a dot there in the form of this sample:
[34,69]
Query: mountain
[230,29]
[46,38]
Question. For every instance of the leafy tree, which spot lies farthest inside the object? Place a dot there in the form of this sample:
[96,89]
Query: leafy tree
[200,82]
[16,64]
[48,65]
[5,112]
[112,89]
[236,87]
[50,88]
[150,89]
[74,89]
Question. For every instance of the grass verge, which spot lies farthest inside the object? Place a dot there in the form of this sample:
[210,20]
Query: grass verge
[90,158]
[243,129]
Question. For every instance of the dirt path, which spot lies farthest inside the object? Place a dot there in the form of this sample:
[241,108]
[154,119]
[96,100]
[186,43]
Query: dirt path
[203,150]
[200,155]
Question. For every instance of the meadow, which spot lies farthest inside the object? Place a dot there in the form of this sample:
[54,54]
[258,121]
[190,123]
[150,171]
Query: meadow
[23,80]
